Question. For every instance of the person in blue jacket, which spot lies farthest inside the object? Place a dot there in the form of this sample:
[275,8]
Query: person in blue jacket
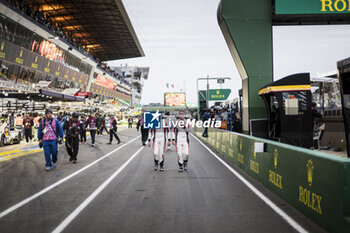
[49,134]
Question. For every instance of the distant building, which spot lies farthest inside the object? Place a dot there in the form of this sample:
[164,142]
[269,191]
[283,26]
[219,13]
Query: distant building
[135,76]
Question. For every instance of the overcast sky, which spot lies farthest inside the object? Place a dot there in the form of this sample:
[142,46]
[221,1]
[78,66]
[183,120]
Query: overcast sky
[182,42]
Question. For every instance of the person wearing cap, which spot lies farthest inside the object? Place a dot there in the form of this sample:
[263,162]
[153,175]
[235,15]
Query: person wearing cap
[72,142]
[113,126]
[49,134]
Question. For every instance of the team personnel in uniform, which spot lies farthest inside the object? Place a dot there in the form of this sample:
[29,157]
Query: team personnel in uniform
[49,134]
[159,137]
[82,129]
[92,126]
[113,126]
[182,141]
[102,124]
[144,132]
[72,142]
[28,124]
[97,115]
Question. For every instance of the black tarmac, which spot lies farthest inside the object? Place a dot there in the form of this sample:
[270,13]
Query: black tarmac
[206,198]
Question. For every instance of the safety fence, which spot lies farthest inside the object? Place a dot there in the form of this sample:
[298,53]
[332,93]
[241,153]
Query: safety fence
[315,183]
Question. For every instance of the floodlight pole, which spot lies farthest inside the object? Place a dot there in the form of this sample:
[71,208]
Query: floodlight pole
[207,97]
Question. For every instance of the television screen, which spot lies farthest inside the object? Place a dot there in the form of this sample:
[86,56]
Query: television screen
[175,99]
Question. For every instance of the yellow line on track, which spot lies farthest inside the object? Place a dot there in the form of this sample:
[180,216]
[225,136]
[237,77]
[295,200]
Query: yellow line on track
[9,152]
[8,157]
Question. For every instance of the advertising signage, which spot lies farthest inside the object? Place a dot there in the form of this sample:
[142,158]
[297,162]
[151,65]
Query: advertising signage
[105,82]
[21,56]
[304,7]
[175,99]
[215,94]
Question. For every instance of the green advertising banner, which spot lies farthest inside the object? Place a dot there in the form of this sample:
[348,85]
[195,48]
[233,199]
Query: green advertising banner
[219,94]
[215,94]
[295,7]
[315,183]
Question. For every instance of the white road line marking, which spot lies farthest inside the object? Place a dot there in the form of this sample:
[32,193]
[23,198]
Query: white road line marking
[25,201]
[88,200]
[274,207]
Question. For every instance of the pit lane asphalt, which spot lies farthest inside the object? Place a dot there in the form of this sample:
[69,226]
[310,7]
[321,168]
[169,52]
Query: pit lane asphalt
[206,198]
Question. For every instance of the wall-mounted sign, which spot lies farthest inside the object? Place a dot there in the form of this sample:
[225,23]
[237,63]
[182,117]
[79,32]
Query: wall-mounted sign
[105,82]
[82,94]
[304,7]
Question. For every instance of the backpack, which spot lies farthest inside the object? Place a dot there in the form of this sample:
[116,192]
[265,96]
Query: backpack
[43,121]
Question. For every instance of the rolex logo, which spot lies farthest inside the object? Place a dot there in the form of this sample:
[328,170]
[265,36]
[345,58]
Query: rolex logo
[217,92]
[275,158]
[310,170]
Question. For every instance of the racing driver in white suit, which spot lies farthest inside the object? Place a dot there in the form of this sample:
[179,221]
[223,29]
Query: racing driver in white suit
[159,138]
[182,141]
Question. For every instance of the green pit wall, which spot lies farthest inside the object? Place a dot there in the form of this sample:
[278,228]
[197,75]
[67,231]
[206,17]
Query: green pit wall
[316,184]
